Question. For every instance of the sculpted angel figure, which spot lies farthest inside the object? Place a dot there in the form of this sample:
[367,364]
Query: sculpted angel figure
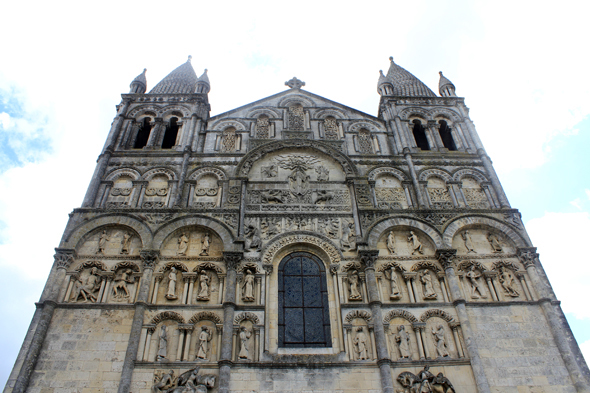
[88,287]
[244,337]
[415,243]
[205,243]
[248,287]
[182,244]
[391,242]
[402,338]
[348,237]
[120,290]
[204,281]
[164,383]
[494,242]
[439,338]
[360,344]
[354,286]
[468,242]
[426,280]
[102,242]
[171,293]
[475,284]
[126,243]
[162,344]
[507,281]
[391,275]
[253,233]
[204,338]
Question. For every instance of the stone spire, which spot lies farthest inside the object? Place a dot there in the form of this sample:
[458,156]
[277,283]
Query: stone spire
[446,87]
[406,84]
[203,85]
[139,84]
[180,81]
[384,86]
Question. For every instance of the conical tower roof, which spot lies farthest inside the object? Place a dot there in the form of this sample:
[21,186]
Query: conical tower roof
[180,81]
[140,79]
[406,84]
[444,81]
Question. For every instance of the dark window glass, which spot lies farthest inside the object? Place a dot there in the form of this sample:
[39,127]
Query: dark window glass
[143,134]
[446,136]
[420,135]
[170,134]
[304,319]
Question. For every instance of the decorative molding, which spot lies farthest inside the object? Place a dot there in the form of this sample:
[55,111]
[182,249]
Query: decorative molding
[399,313]
[362,314]
[246,316]
[436,313]
[167,315]
[205,315]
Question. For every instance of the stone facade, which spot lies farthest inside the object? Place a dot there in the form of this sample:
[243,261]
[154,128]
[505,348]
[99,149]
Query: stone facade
[296,245]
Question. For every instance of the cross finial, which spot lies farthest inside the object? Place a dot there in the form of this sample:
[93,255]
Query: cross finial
[295,83]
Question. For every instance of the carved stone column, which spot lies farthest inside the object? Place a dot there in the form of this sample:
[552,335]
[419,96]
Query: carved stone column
[157,279]
[455,327]
[406,186]
[443,287]
[149,260]
[489,276]
[417,190]
[368,259]
[187,344]
[445,257]
[416,327]
[409,277]
[180,190]
[521,277]
[562,334]
[232,259]
[155,133]
[63,258]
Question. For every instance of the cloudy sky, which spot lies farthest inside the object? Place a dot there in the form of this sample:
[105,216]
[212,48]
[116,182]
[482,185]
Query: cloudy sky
[522,66]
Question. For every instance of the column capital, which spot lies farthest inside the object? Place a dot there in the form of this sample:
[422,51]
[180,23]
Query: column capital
[527,255]
[368,258]
[334,268]
[446,256]
[149,258]
[64,257]
[267,268]
[409,275]
[454,325]
[232,259]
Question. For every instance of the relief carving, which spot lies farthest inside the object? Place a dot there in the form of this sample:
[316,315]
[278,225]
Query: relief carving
[298,165]
[468,242]
[102,242]
[204,339]
[415,243]
[402,338]
[354,289]
[360,342]
[475,285]
[162,345]
[205,244]
[204,286]
[428,288]
[330,227]
[439,340]
[171,291]
[121,287]
[494,242]
[245,335]
[188,382]
[424,382]
[182,244]
[391,242]
[507,282]
[89,287]
[253,235]
[126,242]
[270,172]
[323,173]
[391,275]
[348,239]
[248,287]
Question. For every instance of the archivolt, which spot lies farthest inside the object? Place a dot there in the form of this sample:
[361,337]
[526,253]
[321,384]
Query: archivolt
[215,226]
[205,315]
[362,314]
[171,175]
[73,237]
[167,315]
[301,237]
[465,172]
[434,172]
[374,233]
[117,173]
[387,170]
[466,221]
[399,313]
[219,173]
[436,313]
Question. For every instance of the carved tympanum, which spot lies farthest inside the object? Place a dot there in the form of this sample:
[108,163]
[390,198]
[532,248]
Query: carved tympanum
[425,382]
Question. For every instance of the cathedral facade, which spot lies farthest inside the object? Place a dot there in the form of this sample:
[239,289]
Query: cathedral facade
[295,244]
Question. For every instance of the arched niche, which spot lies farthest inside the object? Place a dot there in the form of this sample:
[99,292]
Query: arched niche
[110,240]
[404,240]
[392,281]
[171,287]
[166,232]
[192,241]
[430,288]
[509,287]
[124,286]
[389,191]
[206,342]
[164,340]
[438,337]
[478,240]
[377,233]
[474,281]
[208,286]
[76,236]
[87,285]
[247,336]
[359,331]
[466,222]
[401,338]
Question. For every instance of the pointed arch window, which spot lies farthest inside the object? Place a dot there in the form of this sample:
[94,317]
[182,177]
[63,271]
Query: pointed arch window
[171,134]
[446,136]
[304,320]
[143,133]
[420,135]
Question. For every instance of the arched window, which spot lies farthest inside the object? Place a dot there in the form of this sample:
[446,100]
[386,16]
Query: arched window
[143,134]
[171,134]
[296,118]
[420,135]
[263,127]
[446,136]
[365,141]
[228,140]
[304,319]
[331,128]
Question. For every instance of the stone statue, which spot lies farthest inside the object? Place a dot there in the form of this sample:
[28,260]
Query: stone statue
[204,338]
[348,237]
[323,173]
[354,292]
[162,345]
[391,275]
[182,244]
[439,338]
[507,281]
[88,287]
[415,243]
[360,344]
[468,242]
[171,293]
[391,242]
[187,382]
[425,382]
[248,287]
[205,243]
[204,283]
[244,337]
[253,234]
[163,382]
[426,280]
[475,284]
[102,242]
[402,338]
[494,242]
[120,290]
[126,243]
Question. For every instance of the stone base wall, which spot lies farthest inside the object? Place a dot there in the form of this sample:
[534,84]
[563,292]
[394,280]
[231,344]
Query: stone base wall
[83,352]
[518,351]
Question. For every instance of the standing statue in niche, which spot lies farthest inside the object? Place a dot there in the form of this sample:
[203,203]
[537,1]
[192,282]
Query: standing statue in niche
[171,293]
[182,244]
[162,345]
[415,243]
[391,275]
[475,284]
[353,279]
[494,242]
[508,283]
[253,234]
[360,344]
[426,280]
[204,283]
[205,243]
[120,290]
[102,242]
[204,338]
[439,338]
[348,240]
[402,338]
[468,242]
[244,337]
[391,242]
[88,287]
[248,287]
[126,243]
